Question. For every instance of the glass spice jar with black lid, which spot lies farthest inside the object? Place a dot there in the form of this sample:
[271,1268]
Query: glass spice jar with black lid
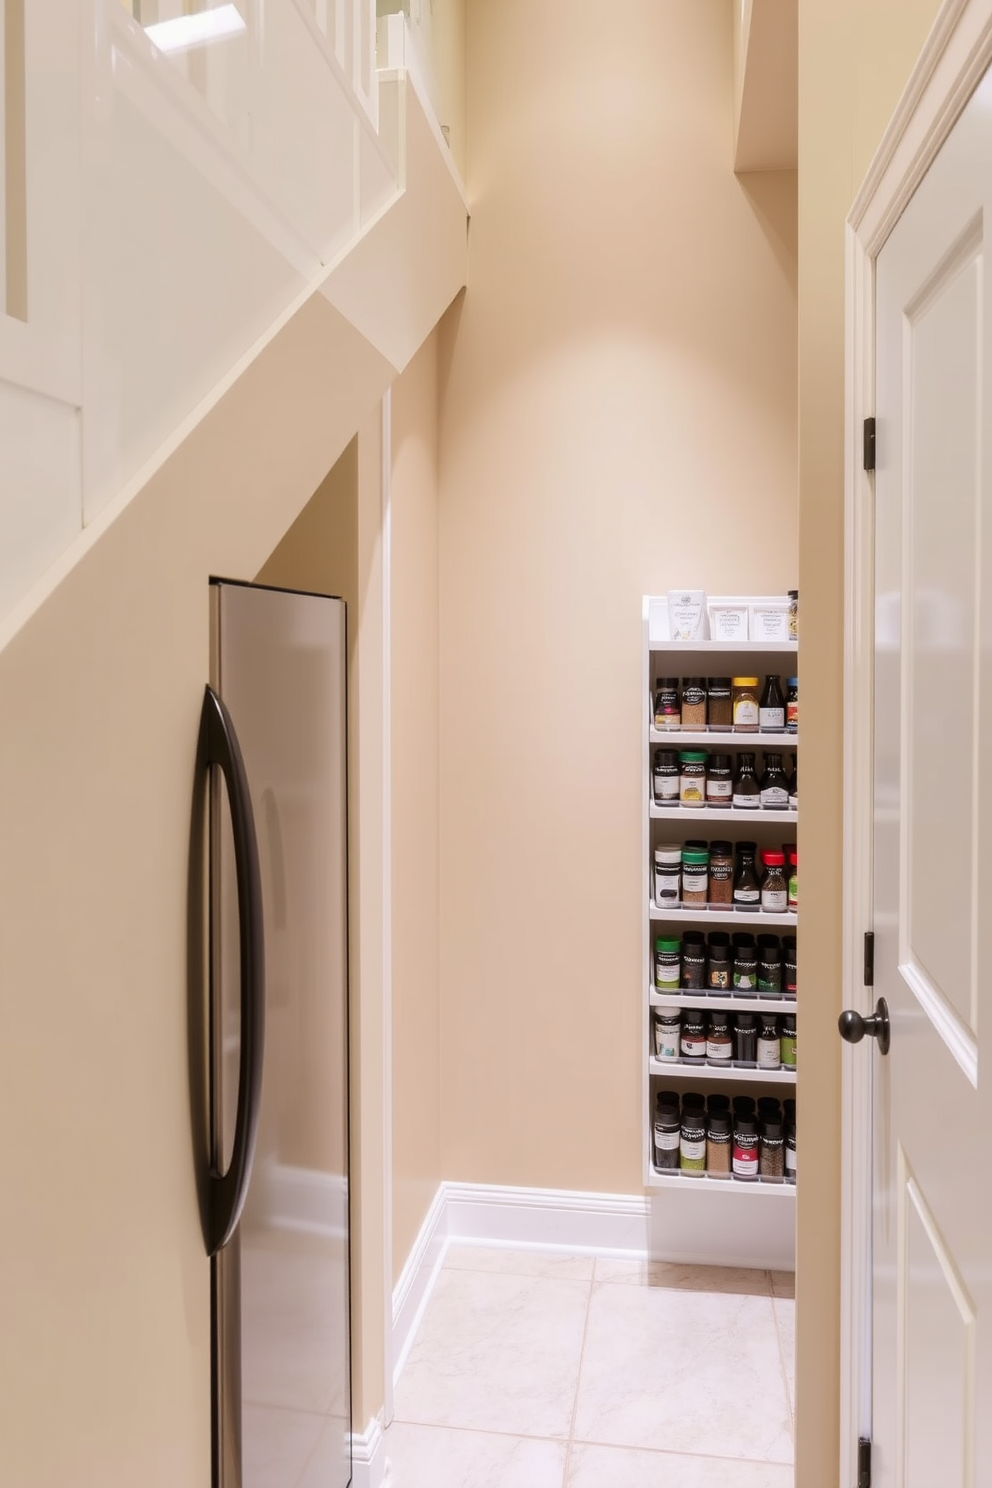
[719,782]
[693,961]
[719,975]
[719,705]
[771,1151]
[721,887]
[745,973]
[719,1040]
[790,968]
[667,713]
[693,1046]
[694,702]
[719,1144]
[667,1132]
[668,874]
[745,1041]
[746,1149]
[692,1146]
[665,777]
[769,966]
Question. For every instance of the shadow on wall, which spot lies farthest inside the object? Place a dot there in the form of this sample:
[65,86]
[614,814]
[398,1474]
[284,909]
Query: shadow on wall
[774,200]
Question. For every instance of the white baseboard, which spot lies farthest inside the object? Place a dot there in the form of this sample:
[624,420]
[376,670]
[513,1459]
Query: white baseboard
[700,1229]
[369,1463]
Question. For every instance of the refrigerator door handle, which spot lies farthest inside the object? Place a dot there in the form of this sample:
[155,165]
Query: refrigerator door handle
[223,1194]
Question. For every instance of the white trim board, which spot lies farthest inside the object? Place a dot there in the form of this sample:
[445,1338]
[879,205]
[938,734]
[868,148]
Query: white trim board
[369,1463]
[695,1230]
[956,55]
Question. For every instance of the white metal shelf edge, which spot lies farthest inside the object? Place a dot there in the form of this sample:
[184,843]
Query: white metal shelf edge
[723,1004]
[709,813]
[719,1185]
[722,741]
[679,1068]
[741,918]
[728,648]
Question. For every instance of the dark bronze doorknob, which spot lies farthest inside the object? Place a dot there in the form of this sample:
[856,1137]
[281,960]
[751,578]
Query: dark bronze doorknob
[853,1027]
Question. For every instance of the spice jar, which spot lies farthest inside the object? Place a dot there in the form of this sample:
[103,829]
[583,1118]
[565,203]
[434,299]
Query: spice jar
[787,1041]
[746,705]
[719,705]
[695,875]
[719,1145]
[692,777]
[771,710]
[793,614]
[789,967]
[794,786]
[694,702]
[693,961]
[790,1151]
[721,962]
[693,1044]
[768,1054]
[745,977]
[745,1159]
[769,1108]
[774,785]
[774,891]
[744,1106]
[667,714]
[721,875]
[747,791]
[719,1042]
[667,1034]
[667,875]
[665,777]
[771,1154]
[792,705]
[719,781]
[745,1041]
[747,890]
[667,959]
[692,1147]
[667,1134]
[769,966]
[792,874]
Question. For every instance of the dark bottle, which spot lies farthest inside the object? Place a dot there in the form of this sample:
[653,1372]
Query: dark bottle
[774,785]
[745,1158]
[665,777]
[771,1155]
[789,967]
[745,976]
[747,791]
[719,1040]
[792,705]
[745,1041]
[794,786]
[721,962]
[694,961]
[719,785]
[747,889]
[769,966]
[667,1133]
[693,1037]
[771,709]
[768,1047]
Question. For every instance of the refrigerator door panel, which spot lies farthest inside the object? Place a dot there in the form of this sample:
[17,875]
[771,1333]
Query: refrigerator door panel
[282,1316]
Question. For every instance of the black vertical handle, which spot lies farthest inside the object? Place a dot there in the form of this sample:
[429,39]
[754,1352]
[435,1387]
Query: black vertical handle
[223,1194]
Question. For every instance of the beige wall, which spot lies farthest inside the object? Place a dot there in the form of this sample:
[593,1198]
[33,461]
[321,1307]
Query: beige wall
[416,1011]
[618,416]
[854,59]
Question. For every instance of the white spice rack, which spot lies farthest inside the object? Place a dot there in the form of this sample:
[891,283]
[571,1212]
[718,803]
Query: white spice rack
[703,1224]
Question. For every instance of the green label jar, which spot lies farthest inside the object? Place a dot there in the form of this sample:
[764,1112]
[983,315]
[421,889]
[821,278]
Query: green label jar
[692,1146]
[787,1041]
[667,963]
[692,777]
[695,875]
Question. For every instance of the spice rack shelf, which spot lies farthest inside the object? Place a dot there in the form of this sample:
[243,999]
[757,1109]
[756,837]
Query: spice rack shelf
[702,1182]
[771,1232]
[742,919]
[733,1072]
[721,1004]
[714,814]
[720,742]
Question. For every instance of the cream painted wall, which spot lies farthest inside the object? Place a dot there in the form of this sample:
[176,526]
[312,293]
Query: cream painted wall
[416,1008]
[618,416]
[105,1363]
[854,59]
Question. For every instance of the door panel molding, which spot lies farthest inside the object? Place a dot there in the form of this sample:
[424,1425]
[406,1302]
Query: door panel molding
[956,54]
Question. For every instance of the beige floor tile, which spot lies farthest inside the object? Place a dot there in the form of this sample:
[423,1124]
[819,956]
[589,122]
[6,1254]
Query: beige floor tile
[683,1372]
[785,1318]
[519,1262]
[784,1283]
[744,1281]
[435,1457]
[622,1467]
[497,1353]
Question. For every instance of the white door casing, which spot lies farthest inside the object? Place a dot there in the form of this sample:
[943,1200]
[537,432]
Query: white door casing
[916,239]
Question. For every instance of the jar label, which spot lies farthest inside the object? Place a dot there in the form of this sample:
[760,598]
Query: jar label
[666,1141]
[719,976]
[749,803]
[693,697]
[744,979]
[666,787]
[790,1159]
[666,1042]
[772,718]
[775,900]
[746,1158]
[692,792]
[719,1049]
[776,797]
[745,713]
[768,1054]
[693,1047]
[788,1046]
[719,790]
[693,1151]
[792,713]
[746,896]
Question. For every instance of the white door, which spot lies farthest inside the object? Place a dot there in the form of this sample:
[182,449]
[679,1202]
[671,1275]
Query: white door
[932,1240]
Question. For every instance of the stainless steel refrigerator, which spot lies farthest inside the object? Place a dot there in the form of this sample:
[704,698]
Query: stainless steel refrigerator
[268,1004]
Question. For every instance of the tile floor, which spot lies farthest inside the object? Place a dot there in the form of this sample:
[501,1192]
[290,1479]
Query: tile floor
[534,1370]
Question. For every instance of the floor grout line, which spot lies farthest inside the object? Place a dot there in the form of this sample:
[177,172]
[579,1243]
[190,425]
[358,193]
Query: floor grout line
[578,1379]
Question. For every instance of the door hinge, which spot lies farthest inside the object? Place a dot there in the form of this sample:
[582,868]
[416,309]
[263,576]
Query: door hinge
[869,448]
[864,1462]
[869,958]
